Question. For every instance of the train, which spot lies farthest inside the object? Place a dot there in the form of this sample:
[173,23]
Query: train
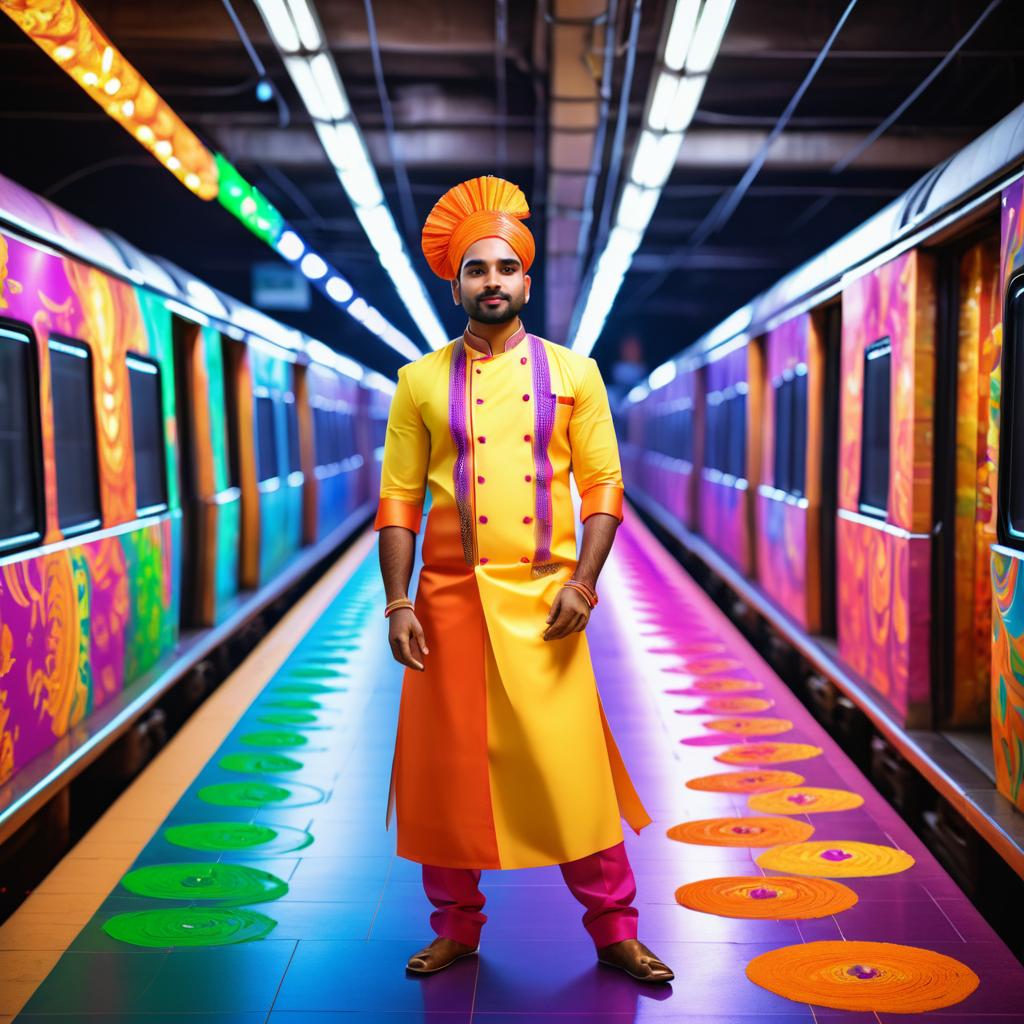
[166,454]
[850,447]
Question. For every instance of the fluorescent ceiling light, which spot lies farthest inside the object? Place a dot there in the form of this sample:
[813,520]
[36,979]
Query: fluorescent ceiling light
[362,187]
[692,42]
[663,101]
[655,157]
[306,23]
[323,100]
[638,393]
[684,20]
[378,381]
[380,228]
[280,23]
[685,103]
[708,38]
[325,74]
[636,207]
[342,144]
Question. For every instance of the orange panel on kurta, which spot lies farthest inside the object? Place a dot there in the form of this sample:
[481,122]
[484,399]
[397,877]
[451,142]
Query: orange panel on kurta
[440,774]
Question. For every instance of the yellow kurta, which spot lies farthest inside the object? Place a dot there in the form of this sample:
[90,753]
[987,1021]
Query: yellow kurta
[503,756]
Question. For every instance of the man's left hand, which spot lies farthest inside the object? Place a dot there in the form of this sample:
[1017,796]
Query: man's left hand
[569,614]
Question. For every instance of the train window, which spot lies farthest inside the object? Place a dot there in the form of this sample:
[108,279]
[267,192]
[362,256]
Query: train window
[798,456]
[266,439]
[21,507]
[291,413]
[783,432]
[320,432]
[874,465]
[791,432]
[737,428]
[74,436]
[148,435]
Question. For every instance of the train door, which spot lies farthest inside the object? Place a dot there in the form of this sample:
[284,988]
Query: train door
[968,319]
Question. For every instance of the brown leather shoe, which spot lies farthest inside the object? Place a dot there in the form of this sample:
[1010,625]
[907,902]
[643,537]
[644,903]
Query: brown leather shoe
[633,957]
[438,955]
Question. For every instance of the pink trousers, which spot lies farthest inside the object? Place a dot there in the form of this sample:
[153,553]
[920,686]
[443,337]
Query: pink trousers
[603,882]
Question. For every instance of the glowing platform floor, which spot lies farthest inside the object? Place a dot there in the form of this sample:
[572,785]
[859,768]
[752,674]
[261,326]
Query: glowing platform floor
[344,913]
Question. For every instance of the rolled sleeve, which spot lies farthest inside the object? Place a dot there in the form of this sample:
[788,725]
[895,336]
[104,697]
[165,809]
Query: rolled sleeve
[595,451]
[403,477]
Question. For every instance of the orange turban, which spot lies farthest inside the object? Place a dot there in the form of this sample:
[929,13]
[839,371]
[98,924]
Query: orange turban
[486,207]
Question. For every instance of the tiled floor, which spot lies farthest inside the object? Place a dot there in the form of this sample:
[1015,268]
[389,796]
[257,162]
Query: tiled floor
[354,912]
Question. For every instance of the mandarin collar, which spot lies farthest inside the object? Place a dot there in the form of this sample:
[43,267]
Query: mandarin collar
[477,347]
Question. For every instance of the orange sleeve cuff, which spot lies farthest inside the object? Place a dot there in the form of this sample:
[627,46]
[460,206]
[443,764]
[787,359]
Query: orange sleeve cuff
[602,498]
[395,512]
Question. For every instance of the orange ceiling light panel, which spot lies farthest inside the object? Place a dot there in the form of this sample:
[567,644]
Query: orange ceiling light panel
[77,44]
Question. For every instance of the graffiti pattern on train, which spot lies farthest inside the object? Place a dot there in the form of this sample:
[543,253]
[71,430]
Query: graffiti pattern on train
[1007,697]
[883,566]
[83,620]
[787,528]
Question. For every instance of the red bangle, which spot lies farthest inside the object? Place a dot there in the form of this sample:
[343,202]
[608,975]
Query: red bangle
[589,596]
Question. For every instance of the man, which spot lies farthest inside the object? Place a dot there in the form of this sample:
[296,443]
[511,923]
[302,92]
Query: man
[503,757]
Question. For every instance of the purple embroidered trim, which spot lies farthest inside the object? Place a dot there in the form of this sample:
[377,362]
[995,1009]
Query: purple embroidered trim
[543,426]
[457,426]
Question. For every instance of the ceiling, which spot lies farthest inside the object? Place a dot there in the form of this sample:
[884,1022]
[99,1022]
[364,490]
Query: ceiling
[458,111]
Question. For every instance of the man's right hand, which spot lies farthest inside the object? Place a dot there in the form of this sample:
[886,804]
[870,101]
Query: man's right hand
[405,635]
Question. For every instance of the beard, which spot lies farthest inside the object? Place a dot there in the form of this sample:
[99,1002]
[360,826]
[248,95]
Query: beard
[502,315]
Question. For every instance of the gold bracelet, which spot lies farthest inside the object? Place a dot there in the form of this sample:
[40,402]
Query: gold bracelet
[588,596]
[399,602]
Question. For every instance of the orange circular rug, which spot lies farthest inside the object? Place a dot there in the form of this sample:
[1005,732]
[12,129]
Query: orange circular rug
[702,687]
[741,831]
[736,705]
[768,753]
[836,858]
[746,782]
[702,665]
[750,726]
[871,976]
[780,899]
[805,800]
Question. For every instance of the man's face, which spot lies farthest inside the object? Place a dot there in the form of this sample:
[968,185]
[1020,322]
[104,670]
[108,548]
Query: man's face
[492,287]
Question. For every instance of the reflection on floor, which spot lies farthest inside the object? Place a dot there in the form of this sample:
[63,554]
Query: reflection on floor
[280,840]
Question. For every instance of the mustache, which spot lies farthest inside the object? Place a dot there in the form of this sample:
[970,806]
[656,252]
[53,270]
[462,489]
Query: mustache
[495,295]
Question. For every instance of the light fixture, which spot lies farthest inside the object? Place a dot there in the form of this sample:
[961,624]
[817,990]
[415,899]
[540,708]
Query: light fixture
[290,246]
[661,375]
[63,30]
[708,38]
[338,289]
[295,28]
[680,33]
[692,41]
[313,266]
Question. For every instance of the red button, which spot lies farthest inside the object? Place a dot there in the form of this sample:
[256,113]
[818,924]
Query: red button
[482,439]
[479,479]
[479,371]
[524,559]
[528,478]
[479,401]
[482,560]
[526,437]
[483,519]
[526,398]
[527,519]
[523,360]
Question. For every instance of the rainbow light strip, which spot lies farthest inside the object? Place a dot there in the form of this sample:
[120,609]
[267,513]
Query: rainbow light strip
[77,44]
